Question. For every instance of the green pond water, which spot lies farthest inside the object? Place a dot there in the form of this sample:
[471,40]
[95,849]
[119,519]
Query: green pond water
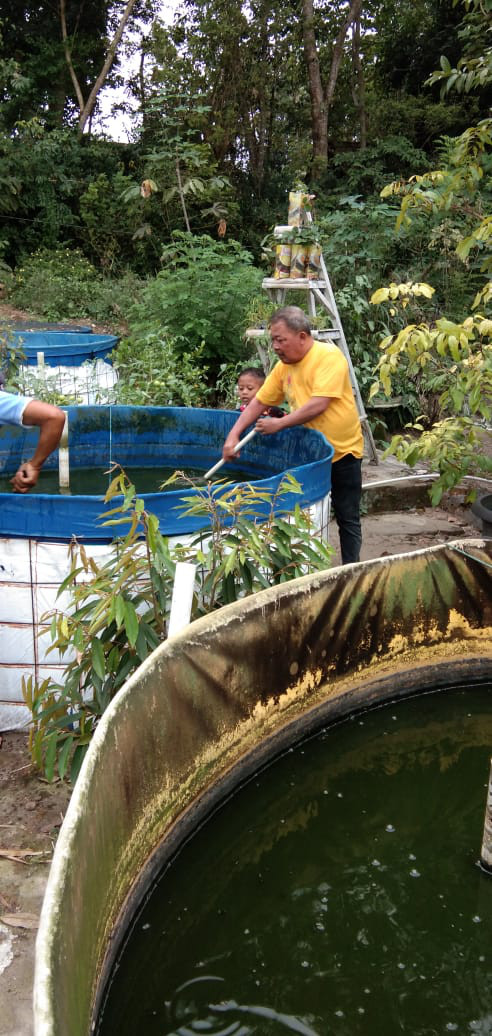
[95,481]
[338,892]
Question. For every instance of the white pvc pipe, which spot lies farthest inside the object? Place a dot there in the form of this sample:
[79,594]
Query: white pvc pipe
[416,477]
[63,458]
[208,474]
[182,599]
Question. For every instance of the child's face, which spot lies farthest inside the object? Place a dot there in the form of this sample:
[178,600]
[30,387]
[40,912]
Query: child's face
[247,387]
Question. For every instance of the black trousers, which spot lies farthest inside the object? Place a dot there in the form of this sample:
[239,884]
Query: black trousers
[346,487]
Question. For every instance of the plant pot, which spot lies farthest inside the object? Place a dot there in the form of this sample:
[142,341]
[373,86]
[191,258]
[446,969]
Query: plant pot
[282,261]
[313,265]
[298,260]
[482,509]
[297,202]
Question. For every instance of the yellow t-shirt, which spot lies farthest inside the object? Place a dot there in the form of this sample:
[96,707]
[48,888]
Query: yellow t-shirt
[323,371]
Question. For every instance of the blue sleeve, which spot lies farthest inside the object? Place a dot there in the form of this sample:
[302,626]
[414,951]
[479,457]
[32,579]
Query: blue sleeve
[12,408]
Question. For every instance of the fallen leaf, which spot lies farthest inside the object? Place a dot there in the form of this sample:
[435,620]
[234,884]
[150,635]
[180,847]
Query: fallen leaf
[20,920]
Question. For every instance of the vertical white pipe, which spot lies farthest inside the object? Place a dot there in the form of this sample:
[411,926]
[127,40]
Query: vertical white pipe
[63,458]
[182,599]
[486,851]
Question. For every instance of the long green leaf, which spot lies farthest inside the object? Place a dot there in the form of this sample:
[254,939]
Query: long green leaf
[131,623]
[98,660]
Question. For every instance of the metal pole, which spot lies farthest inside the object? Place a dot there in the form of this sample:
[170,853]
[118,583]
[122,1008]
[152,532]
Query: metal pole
[486,851]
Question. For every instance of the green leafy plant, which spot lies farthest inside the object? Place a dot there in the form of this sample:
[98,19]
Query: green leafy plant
[240,557]
[151,371]
[451,363]
[61,283]
[11,359]
[118,610]
[201,296]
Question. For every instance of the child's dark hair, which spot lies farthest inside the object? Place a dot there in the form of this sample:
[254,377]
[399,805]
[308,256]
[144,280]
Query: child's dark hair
[255,372]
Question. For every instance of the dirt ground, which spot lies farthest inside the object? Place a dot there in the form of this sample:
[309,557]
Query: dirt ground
[31,811]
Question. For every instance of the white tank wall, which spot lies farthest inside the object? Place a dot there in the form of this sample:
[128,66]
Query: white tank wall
[30,573]
[93,382]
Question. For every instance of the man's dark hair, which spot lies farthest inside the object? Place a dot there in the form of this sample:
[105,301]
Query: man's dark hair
[254,372]
[294,317]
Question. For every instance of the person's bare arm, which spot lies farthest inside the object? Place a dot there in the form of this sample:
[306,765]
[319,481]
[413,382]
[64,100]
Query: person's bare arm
[314,406]
[247,418]
[50,420]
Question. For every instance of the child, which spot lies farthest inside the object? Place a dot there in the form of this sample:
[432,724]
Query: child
[248,383]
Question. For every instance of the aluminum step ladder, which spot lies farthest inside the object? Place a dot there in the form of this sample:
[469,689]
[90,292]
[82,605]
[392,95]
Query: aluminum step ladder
[319,294]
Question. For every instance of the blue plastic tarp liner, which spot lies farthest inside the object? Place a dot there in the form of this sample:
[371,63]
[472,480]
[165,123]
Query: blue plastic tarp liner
[175,437]
[62,348]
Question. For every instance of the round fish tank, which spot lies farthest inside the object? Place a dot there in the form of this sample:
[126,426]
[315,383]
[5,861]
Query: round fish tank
[75,364]
[202,718]
[62,348]
[43,325]
[35,528]
[180,438]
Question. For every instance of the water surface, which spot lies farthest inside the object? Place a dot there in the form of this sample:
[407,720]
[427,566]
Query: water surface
[337,893]
[95,481]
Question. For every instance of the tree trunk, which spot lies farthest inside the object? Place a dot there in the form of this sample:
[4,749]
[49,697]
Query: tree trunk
[359,89]
[319,112]
[322,96]
[86,108]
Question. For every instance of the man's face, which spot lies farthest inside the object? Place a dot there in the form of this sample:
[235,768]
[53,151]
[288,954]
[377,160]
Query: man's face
[290,346]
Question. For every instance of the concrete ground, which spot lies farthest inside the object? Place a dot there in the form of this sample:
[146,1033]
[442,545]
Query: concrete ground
[31,811]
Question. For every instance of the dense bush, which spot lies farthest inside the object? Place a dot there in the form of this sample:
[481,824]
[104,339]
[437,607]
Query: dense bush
[152,374]
[61,283]
[201,296]
[115,237]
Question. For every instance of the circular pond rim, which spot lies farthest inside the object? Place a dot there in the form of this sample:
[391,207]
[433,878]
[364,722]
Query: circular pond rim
[469,672]
[482,508]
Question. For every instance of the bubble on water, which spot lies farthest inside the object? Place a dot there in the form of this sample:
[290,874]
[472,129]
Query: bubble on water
[320,926]
[414,873]
[476,919]
[400,965]
[375,863]
[411,856]
[339,795]
[389,827]
[451,1026]
[305,964]
[340,1014]
[367,991]
[481,958]
[325,792]
[145,927]
[361,1010]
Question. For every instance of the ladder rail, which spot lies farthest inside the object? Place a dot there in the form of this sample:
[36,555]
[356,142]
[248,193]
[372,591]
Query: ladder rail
[321,291]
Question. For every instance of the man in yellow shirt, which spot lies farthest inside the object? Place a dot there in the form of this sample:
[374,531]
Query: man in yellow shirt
[314,378]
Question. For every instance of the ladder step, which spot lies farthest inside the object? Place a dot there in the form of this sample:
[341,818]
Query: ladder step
[300,283]
[318,332]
